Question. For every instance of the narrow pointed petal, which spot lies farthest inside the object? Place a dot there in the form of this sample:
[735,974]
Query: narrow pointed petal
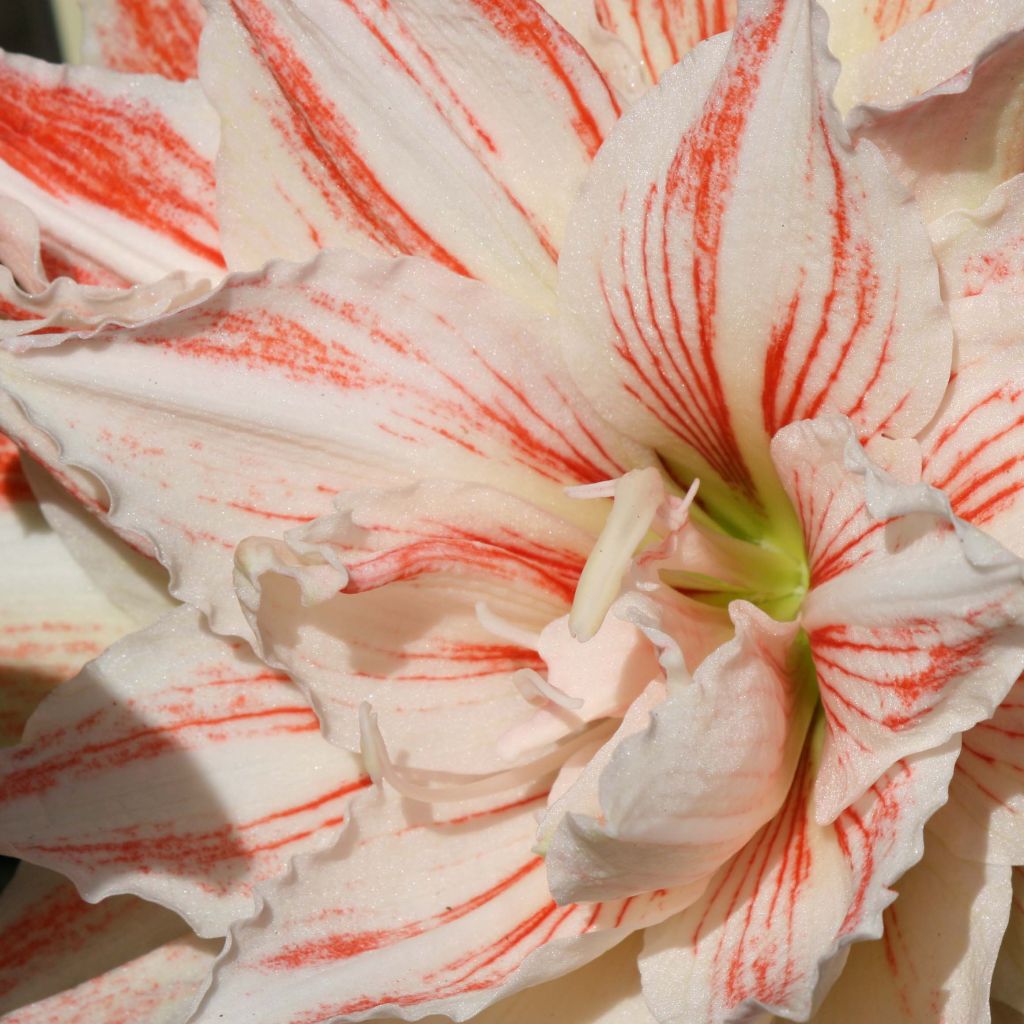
[770,931]
[141,203]
[247,413]
[379,603]
[670,231]
[714,764]
[52,940]
[177,768]
[952,145]
[468,147]
[158,987]
[354,927]
[160,37]
[52,618]
[935,959]
[914,617]
[1008,979]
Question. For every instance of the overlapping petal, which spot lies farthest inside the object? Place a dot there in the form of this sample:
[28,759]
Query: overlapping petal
[119,169]
[767,931]
[935,959]
[1008,979]
[459,133]
[247,413]
[670,232]
[184,771]
[345,937]
[913,616]
[156,36]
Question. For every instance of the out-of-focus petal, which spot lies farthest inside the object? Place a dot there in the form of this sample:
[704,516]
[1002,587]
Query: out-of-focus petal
[247,413]
[914,617]
[52,940]
[770,931]
[954,144]
[714,763]
[52,618]
[117,167]
[354,927]
[934,961]
[175,767]
[670,231]
[459,133]
[378,602]
[157,36]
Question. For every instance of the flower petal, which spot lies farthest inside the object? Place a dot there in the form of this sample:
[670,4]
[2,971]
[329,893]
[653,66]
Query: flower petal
[158,988]
[52,618]
[177,768]
[713,764]
[141,202]
[913,616]
[379,602]
[157,36]
[1008,980]
[52,940]
[670,231]
[770,930]
[355,927]
[247,413]
[935,958]
[953,144]
[461,135]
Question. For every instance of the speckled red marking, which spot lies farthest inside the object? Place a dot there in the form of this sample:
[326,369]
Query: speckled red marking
[889,16]
[119,153]
[155,36]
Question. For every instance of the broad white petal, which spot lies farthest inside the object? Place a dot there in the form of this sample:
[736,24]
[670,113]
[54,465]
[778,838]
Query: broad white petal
[175,767]
[666,332]
[460,133]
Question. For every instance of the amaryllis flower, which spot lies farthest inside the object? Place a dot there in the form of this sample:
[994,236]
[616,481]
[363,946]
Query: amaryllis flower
[606,521]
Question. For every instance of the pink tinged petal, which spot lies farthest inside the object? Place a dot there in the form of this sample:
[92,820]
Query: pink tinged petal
[52,940]
[983,818]
[970,119]
[379,603]
[1008,979]
[468,148]
[914,623]
[52,617]
[156,36]
[177,768]
[158,988]
[355,928]
[770,930]
[934,961]
[981,252]
[713,764]
[117,168]
[670,231]
[366,370]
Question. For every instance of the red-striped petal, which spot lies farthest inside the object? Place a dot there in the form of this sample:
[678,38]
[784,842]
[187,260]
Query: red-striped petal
[765,933]
[913,617]
[52,940]
[156,36]
[378,603]
[934,961]
[175,767]
[355,927]
[460,135]
[118,168]
[248,413]
[717,323]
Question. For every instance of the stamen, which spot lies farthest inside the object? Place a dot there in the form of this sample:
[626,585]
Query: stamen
[637,497]
[536,690]
[381,768]
[505,630]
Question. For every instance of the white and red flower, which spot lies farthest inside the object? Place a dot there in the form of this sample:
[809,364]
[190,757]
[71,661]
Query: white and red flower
[589,466]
